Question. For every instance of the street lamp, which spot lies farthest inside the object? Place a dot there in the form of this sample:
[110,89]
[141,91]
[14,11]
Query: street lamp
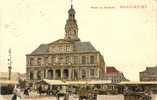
[9,64]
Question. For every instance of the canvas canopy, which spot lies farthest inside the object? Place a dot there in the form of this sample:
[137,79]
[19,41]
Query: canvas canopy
[61,82]
[54,82]
[99,82]
[76,82]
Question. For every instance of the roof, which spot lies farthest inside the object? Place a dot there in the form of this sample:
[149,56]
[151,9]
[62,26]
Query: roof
[42,49]
[79,47]
[111,70]
[84,47]
[150,70]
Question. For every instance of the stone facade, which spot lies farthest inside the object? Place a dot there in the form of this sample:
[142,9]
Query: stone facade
[150,74]
[66,59]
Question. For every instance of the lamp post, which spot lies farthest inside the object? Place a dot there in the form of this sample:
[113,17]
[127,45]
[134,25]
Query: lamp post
[9,64]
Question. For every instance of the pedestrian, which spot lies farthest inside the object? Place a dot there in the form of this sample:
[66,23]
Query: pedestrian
[57,96]
[66,96]
[147,95]
[26,92]
[40,89]
[14,97]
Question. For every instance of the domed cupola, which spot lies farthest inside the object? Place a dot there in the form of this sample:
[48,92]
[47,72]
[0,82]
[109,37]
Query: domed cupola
[71,13]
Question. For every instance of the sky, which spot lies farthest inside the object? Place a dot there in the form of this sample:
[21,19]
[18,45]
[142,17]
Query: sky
[126,36]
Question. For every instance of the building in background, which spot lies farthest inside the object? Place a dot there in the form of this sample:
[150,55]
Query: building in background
[65,59]
[114,75]
[150,74]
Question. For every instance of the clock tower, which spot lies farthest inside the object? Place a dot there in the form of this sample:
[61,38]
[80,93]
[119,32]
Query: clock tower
[71,28]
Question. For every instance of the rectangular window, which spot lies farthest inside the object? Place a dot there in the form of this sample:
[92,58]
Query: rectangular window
[92,60]
[76,60]
[92,72]
[83,60]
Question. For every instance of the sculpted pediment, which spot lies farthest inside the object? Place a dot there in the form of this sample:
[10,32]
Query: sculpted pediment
[60,46]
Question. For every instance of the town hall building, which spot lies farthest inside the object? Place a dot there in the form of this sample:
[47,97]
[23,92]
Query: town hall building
[65,59]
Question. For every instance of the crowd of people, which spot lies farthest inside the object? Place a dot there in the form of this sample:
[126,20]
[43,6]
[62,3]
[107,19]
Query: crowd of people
[83,93]
[19,93]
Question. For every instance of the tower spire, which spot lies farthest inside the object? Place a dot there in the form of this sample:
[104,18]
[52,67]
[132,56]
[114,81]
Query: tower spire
[71,3]
[71,28]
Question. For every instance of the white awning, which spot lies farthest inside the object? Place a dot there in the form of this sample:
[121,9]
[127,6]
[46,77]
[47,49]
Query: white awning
[76,82]
[99,82]
[81,82]
[54,82]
